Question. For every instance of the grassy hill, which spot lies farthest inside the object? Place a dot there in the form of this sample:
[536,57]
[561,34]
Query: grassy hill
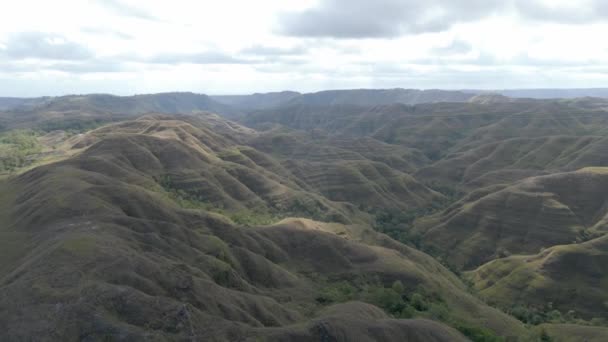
[357,97]
[109,251]
[571,279]
[82,112]
[523,218]
[183,225]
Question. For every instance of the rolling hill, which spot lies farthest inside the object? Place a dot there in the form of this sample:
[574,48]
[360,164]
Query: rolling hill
[111,251]
[355,97]
[341,215]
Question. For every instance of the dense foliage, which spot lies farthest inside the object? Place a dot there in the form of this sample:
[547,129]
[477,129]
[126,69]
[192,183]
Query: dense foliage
[15,148]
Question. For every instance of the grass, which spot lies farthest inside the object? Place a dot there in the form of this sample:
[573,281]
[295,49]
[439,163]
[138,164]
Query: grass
[524,288]
[447,301]
[596,170]
[79,246]
[13,243]
[571,333]
[245,217]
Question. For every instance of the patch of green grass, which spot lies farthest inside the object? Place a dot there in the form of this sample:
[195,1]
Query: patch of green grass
[13,245]
[79,246]
[477,334]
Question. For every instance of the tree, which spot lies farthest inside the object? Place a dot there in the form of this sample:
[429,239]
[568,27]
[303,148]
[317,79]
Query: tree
[398,287]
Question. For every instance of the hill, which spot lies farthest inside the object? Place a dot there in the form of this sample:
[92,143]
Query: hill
[355,97]
[544,282]
[100,246]
[555,93]
[185,225]
[257,101]
[523,218]
[87,111]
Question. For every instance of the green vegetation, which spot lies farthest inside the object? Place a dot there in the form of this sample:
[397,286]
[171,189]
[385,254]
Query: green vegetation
[399,302]
[140,266]
[478,334]
[16,147]
[548,314]
[248,217]
[72,126]
[398,224]
[395,300]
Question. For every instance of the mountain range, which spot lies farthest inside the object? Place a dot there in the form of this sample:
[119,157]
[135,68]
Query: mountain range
[354,215]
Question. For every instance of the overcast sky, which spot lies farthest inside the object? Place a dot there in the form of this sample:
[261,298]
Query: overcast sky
[243,46]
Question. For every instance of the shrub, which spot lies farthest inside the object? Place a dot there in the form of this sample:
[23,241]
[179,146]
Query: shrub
[478,334]
[419,302]
[398,287]
[337,293]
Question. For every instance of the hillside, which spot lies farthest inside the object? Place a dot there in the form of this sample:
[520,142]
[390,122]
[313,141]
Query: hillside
[355,97]
[523,218]
[257,101]
[555,93]
[87,111]
[177,226]
[131,258]
[545,281]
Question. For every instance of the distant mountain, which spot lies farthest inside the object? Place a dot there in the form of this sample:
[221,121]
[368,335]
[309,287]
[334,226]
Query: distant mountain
[170,103]
[257,101]
[8,103]
[551,93]
[357,97]
[85,110]
[375,97]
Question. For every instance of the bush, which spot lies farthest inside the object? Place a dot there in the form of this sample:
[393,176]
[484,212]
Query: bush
[555,316]
[387,299]
[398,287]
[439,311]
[337,293]
[419,302]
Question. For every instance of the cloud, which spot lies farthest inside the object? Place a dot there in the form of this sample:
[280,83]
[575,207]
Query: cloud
[123,9]
[382,18]
[71,67]
[88,67]
[573,13]
[195,58]
[263,50]
[456,47]
[348,19]
[43,46]
[103,31]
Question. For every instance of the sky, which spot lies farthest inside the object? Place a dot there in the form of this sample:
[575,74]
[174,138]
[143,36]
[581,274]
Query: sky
[241,46]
